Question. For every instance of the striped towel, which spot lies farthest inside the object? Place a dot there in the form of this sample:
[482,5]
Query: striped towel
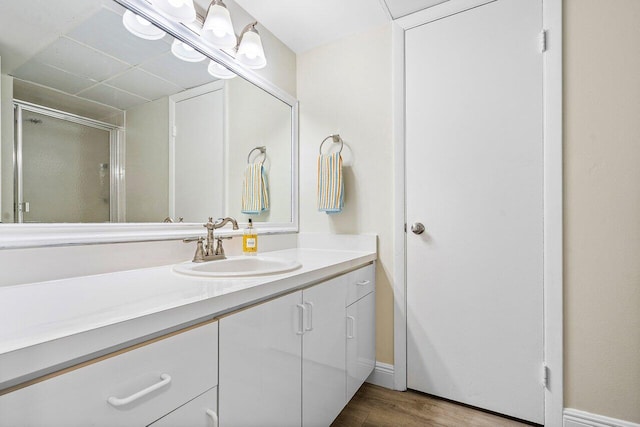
[255,194]
[330,183]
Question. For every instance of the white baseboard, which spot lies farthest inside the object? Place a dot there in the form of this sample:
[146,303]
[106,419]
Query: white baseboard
[576,418]
[382,375]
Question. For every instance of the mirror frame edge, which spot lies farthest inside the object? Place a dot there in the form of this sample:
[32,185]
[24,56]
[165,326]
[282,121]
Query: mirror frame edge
[15,236]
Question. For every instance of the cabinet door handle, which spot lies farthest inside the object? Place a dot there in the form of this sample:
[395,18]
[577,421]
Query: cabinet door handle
[301,311]
[351,326]
[213,416]
[363,282]
[309,316]
[114,401]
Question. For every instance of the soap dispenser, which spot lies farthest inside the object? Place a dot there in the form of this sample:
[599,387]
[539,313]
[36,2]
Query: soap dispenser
[250,240]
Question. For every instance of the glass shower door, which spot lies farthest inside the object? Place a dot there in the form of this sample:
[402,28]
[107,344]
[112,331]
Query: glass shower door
[64,174]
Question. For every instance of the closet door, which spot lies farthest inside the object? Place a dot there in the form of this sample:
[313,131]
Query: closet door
[474,174]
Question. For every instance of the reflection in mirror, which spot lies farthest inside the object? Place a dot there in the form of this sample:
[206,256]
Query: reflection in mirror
[112,126]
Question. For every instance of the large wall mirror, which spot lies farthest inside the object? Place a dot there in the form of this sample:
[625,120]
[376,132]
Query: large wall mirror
[130,138]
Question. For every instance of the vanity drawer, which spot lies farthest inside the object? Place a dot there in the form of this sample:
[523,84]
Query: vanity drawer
[360,282]
[132,387]
[200,412]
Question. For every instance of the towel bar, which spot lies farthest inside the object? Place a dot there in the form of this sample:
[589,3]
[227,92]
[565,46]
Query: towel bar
[262,150]
[336,138]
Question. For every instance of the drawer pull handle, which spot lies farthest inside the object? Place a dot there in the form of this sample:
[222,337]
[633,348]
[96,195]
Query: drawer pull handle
[114,401]
[213,416]
[363,282]
[310,316]
[301,310]
[351,327]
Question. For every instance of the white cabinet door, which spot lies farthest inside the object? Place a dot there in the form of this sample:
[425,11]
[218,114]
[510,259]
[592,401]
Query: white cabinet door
[200,412]
[260,365]
[323,364]
[361,342]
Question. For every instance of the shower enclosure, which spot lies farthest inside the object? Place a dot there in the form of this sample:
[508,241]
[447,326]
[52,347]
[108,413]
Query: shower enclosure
[67,167]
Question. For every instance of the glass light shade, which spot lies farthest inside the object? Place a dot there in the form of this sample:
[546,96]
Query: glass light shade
[177,10]
[140,27]
[220,71]
[218,28]
[185,52]
[250,51]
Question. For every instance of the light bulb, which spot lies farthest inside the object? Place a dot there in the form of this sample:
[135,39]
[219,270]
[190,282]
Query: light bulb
[142,21]
[177,10]
[140,27]
[185,52]
[220,71]
[250,51]
[217,27]
[176,3]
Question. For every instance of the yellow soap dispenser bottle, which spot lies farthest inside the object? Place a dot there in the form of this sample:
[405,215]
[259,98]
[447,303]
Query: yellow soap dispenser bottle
[250,240]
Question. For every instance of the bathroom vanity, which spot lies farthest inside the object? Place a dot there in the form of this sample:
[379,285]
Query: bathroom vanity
[157,347]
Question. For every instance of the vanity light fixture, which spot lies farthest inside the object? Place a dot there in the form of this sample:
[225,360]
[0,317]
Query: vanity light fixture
[140,27]
[217,30]
[185,52]
[250,51]
[217,27]
[177,10]
[220,71]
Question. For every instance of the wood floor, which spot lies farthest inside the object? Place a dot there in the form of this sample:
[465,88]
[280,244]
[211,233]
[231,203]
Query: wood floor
[377,406]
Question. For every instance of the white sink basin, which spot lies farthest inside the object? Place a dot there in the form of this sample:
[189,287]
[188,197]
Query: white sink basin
[241,266]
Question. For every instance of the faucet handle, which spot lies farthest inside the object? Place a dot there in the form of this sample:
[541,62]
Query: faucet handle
[199,255]
[219,248]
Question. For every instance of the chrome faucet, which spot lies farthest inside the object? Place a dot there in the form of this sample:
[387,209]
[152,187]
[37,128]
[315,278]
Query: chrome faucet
[211,252]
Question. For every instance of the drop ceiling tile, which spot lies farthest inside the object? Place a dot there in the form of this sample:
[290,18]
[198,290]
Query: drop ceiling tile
[111,96]
[104,32]
[144,84]
[33,71]
[60,101]
[400,8]
[75,58]
[181,73]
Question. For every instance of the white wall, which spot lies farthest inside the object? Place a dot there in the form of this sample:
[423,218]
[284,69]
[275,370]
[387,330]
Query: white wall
[602,207]
[255,118]
[345,87]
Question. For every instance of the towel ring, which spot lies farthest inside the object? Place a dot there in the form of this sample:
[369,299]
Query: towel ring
[262,150]
[336,138]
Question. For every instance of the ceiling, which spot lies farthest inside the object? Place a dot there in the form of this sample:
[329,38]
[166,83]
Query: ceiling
[91,55]
[305,24]
[80,47]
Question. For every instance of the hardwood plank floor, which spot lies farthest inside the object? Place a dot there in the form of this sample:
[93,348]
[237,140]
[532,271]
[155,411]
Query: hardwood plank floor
[374,406]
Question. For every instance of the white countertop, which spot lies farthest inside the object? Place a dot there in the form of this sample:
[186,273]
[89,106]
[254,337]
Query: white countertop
[50,325]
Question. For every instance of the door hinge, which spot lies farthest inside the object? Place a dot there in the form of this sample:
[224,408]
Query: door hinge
[543,41]
[175,131]
[24,207]
[405,227]
[545,375]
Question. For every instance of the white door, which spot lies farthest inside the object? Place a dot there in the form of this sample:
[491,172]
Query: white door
[324,388]
[198,155]
[474,174]
[260,365]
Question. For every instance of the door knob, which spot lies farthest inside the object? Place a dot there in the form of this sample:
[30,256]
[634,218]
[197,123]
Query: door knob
[417,228]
